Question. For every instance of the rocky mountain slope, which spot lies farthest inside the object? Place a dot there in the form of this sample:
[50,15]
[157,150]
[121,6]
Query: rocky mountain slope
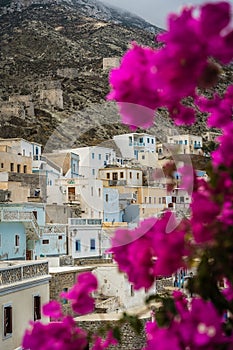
[52,81]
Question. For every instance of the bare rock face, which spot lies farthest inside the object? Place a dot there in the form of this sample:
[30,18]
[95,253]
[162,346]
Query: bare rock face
[52,83]
[52,52]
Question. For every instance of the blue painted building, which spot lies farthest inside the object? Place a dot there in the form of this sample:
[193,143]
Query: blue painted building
[53,241]
[25,235]
[19,229]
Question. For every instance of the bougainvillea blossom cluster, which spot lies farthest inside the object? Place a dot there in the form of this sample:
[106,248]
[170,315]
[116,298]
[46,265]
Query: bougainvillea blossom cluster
[165,76]
[155,248]
[197,326]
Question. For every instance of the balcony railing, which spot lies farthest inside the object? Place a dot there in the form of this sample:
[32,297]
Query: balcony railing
[53,229]
[74,198]
[80,222]
[117,182]
[26,217]
[11,272]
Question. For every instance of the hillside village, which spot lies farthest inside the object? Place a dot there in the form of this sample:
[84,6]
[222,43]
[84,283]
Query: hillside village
[61,204]
[58,211]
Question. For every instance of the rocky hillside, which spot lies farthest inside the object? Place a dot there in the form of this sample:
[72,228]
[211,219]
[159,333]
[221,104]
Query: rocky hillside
[52,81]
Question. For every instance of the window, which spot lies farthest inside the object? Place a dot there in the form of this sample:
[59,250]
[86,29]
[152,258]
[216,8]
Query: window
[149,200]
[148,140]
[131,290]
[138,176]
[18,168]
[164,200]
[92,191]
[145,199]
[130,175]
[185,142]
[2,165]
[106,156]
[60,237]
[78,245]
[143,157]
[12,166]
[121,175]
[99,191]
[106,197]
[108,175]
[152,141]
[181,199]
[7,320]
[92,244]
[160,200]
[93,171]
[16,240]
[25,169]
[115,176]
[141,140]
[154,200]
[99,156]
[37,307]
[93,155]
[45,241]
[64,301]
[174,199]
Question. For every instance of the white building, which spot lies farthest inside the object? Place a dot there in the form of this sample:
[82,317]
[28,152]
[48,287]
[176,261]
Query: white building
[132,144]
[119,290]
[84,237]
[188,144]
[23,147]
[86,192]
[92,159]
[24,288]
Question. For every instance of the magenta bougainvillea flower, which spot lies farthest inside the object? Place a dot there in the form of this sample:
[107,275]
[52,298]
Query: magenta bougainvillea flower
[63,335]
[220,109]
[53,309]
[81,302]
[164,77]
[155,248]
[197,326]
[219,157]
[204,212]
[101,344]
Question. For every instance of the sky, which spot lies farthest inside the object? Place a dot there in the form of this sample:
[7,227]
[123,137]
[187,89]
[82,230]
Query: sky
[154,11]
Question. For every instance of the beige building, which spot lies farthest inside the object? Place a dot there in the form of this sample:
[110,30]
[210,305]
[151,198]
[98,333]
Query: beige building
[152,200]
[11,161]
[121,176]
[188,144]
[24,288]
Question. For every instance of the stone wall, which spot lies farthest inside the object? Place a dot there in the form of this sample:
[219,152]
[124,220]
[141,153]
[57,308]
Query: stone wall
[111,62]
[70,73]
[129,339]
[34,181]
[59,281]
[94,261]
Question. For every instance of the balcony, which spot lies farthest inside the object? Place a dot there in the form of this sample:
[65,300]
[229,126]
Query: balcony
[197,147]
[82,222]
[55,229]
[12,272]
[74,198]
[117,183]
[27,218]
